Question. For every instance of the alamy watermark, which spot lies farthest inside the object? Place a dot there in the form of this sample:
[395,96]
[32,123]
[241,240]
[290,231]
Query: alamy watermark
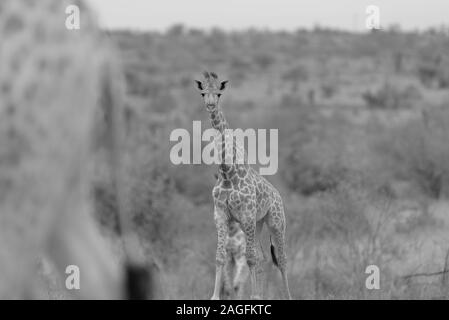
[72,21]
[186,151]
[72,282]
[372,21]
[373,280]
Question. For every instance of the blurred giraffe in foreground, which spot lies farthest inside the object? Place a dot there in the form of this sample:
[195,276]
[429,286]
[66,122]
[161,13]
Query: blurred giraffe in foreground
[58,89]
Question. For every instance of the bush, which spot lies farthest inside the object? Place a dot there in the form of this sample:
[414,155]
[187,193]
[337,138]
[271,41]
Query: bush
[418,152]
[316,162]
[391,97]
[295,76]
[310,177]
[291,101]
[432,71]
[337,234]
[328,90]
[163,102]
[264,60]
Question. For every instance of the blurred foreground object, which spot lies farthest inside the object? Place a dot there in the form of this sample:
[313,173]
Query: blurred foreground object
[57,85]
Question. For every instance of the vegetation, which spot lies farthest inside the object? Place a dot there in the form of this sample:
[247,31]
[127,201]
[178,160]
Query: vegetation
[363,153]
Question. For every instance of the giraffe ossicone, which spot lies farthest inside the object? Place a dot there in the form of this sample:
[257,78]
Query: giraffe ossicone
[243,195]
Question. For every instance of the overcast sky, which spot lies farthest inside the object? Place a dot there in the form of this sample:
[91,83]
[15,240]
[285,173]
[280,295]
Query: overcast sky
[272,14]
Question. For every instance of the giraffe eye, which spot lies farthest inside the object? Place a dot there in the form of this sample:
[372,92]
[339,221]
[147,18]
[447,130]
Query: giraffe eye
[219,95]
[202,94]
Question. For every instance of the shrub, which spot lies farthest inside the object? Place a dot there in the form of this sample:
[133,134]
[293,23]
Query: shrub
[291,101]
[340,232]
[418,152]
[328,90]
[310,177]
[295,76]
[432,71]
[391,97]
[316,161]
[264,60]
[163,102]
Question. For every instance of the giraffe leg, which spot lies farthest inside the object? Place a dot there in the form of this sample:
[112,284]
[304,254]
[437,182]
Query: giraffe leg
[260,259]
[226,287]
[276,225]
[238,288]
[249,227]
[239,278]
[221,223]
[239,292]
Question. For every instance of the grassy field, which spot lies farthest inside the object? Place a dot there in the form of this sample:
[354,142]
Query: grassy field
[363,154]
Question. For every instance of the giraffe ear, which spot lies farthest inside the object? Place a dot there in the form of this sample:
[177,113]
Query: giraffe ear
[223,85]
[199,84]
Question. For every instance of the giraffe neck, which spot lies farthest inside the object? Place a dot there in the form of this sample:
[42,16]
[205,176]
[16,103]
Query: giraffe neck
[230,168]
[218,119]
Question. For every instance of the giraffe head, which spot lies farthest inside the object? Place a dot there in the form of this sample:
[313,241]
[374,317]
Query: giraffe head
[211,89]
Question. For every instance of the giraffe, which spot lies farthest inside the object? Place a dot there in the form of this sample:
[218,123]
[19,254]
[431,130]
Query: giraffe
[235,273]
[241,194]
[57,87]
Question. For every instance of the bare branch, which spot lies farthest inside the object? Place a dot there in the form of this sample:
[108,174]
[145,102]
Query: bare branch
[424,274]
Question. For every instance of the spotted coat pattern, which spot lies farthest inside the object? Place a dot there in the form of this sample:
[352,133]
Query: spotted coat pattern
[50,84]
[236,269]
[241,194]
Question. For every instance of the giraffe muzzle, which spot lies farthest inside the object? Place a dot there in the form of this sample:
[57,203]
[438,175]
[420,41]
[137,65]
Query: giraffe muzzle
[210,106]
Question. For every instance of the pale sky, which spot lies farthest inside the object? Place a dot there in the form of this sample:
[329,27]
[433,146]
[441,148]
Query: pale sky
[271,14]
